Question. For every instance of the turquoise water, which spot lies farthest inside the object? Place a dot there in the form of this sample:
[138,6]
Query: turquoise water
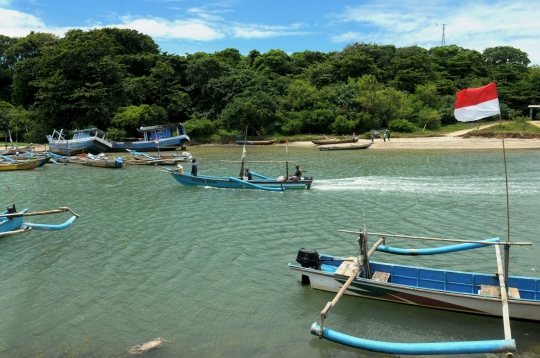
[206,269]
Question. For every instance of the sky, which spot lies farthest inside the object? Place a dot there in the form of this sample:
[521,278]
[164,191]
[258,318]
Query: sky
[189,26]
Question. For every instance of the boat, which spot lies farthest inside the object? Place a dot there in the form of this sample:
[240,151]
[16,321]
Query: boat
[466,292]
[101,161]
[256,142]
[334,141]
[139,158]
[28,164]
[345,147]
[91,140]
[261,183]
[160,137]
[12,221]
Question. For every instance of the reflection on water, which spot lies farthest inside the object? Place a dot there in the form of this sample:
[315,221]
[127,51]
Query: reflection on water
[206,269]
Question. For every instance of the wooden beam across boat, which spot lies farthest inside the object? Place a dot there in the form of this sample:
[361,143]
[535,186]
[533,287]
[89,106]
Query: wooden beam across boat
[62,209]
[438,239]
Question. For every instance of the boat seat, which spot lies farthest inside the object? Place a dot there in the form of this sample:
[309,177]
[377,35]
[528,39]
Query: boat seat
[381,276]
[347,268]
[488,290]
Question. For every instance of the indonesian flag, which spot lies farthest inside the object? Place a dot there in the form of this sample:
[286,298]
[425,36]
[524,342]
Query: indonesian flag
[244,152]
[156,140]
[476,103]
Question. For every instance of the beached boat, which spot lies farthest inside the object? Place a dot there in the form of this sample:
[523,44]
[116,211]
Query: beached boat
[161,137]
[90,140]
[138,158]
[261,183]
[101,161]
[255,142]
[334,141]
[10,164]
[12,222]
[345,147]
[468,292]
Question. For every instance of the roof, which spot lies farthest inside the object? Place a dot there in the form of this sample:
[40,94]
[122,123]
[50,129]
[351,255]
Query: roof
[161,126]
[534,106]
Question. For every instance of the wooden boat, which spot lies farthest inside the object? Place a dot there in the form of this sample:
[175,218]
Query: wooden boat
[161,137]
[91,140]
[139,158]
[345,147]
[101,161]
[334,141]
[19,164]
[467,292]
[256,142]
[262,183]
[12,222]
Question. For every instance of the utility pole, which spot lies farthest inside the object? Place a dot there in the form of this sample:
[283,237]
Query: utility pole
[443,43]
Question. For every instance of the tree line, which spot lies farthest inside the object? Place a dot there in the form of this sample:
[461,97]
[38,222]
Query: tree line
[118,80]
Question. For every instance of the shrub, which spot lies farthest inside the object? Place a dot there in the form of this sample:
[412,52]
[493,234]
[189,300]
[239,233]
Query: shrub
[200,127]
[401,125]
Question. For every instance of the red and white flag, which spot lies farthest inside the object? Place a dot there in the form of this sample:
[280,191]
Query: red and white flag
[156,140]
[476,103]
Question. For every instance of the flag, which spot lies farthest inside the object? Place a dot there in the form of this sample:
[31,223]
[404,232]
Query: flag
[244,152]
[476,103]
[286,146]
[156,140]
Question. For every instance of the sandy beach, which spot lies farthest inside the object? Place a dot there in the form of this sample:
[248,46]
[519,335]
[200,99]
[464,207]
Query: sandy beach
[451,141]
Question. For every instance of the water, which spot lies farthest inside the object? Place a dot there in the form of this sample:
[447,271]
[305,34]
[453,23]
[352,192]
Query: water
[206,269]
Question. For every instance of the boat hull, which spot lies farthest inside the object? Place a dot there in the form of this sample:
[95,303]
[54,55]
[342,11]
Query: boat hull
[346,147]
[11,224]
[440,289]
[93,145]
[150,146]
[334,141]
[233,183]
[255,142]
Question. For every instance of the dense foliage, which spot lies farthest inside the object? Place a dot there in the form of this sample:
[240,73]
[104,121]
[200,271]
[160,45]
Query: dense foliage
[118,80]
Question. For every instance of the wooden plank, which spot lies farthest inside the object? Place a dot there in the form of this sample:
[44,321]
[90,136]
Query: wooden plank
[381,276]
[347,267]
[488,290]
[513,292]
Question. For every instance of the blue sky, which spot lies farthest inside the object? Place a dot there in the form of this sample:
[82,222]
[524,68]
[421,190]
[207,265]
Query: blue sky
[189,26]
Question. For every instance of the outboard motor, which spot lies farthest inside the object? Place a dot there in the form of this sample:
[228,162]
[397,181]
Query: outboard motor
[308,258]
[11,209]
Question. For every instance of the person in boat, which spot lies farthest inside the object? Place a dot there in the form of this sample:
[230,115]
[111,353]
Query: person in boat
[193,168]
[297,174]
[248,174]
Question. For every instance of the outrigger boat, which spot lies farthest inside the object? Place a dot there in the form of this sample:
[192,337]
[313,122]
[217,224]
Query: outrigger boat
[334,141]
[255,142]
[476,293]
[260,182]
[345,147]
[12,222]
[139,158]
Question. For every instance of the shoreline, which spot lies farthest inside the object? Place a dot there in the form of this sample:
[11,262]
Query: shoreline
[425,143]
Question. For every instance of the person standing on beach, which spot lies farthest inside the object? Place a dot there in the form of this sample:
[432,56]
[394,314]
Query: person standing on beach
[372,136]
[353,136]
[384,136]
[193,168]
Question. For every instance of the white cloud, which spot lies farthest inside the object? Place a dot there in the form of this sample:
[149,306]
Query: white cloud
[472,25]
[194,30]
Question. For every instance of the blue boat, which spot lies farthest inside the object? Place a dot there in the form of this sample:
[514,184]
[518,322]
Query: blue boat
[90,140]
[12,222]
[498,295]
[262,183]
[155,138]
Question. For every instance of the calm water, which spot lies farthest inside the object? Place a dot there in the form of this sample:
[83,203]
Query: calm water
[206,269]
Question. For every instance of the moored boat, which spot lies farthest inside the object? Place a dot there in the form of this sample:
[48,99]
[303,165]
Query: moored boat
[101,161]
[160,137]
[334,141]
[467,292]
[28,164]
[12,221]
[345,147]
[256,142]
[91,140]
